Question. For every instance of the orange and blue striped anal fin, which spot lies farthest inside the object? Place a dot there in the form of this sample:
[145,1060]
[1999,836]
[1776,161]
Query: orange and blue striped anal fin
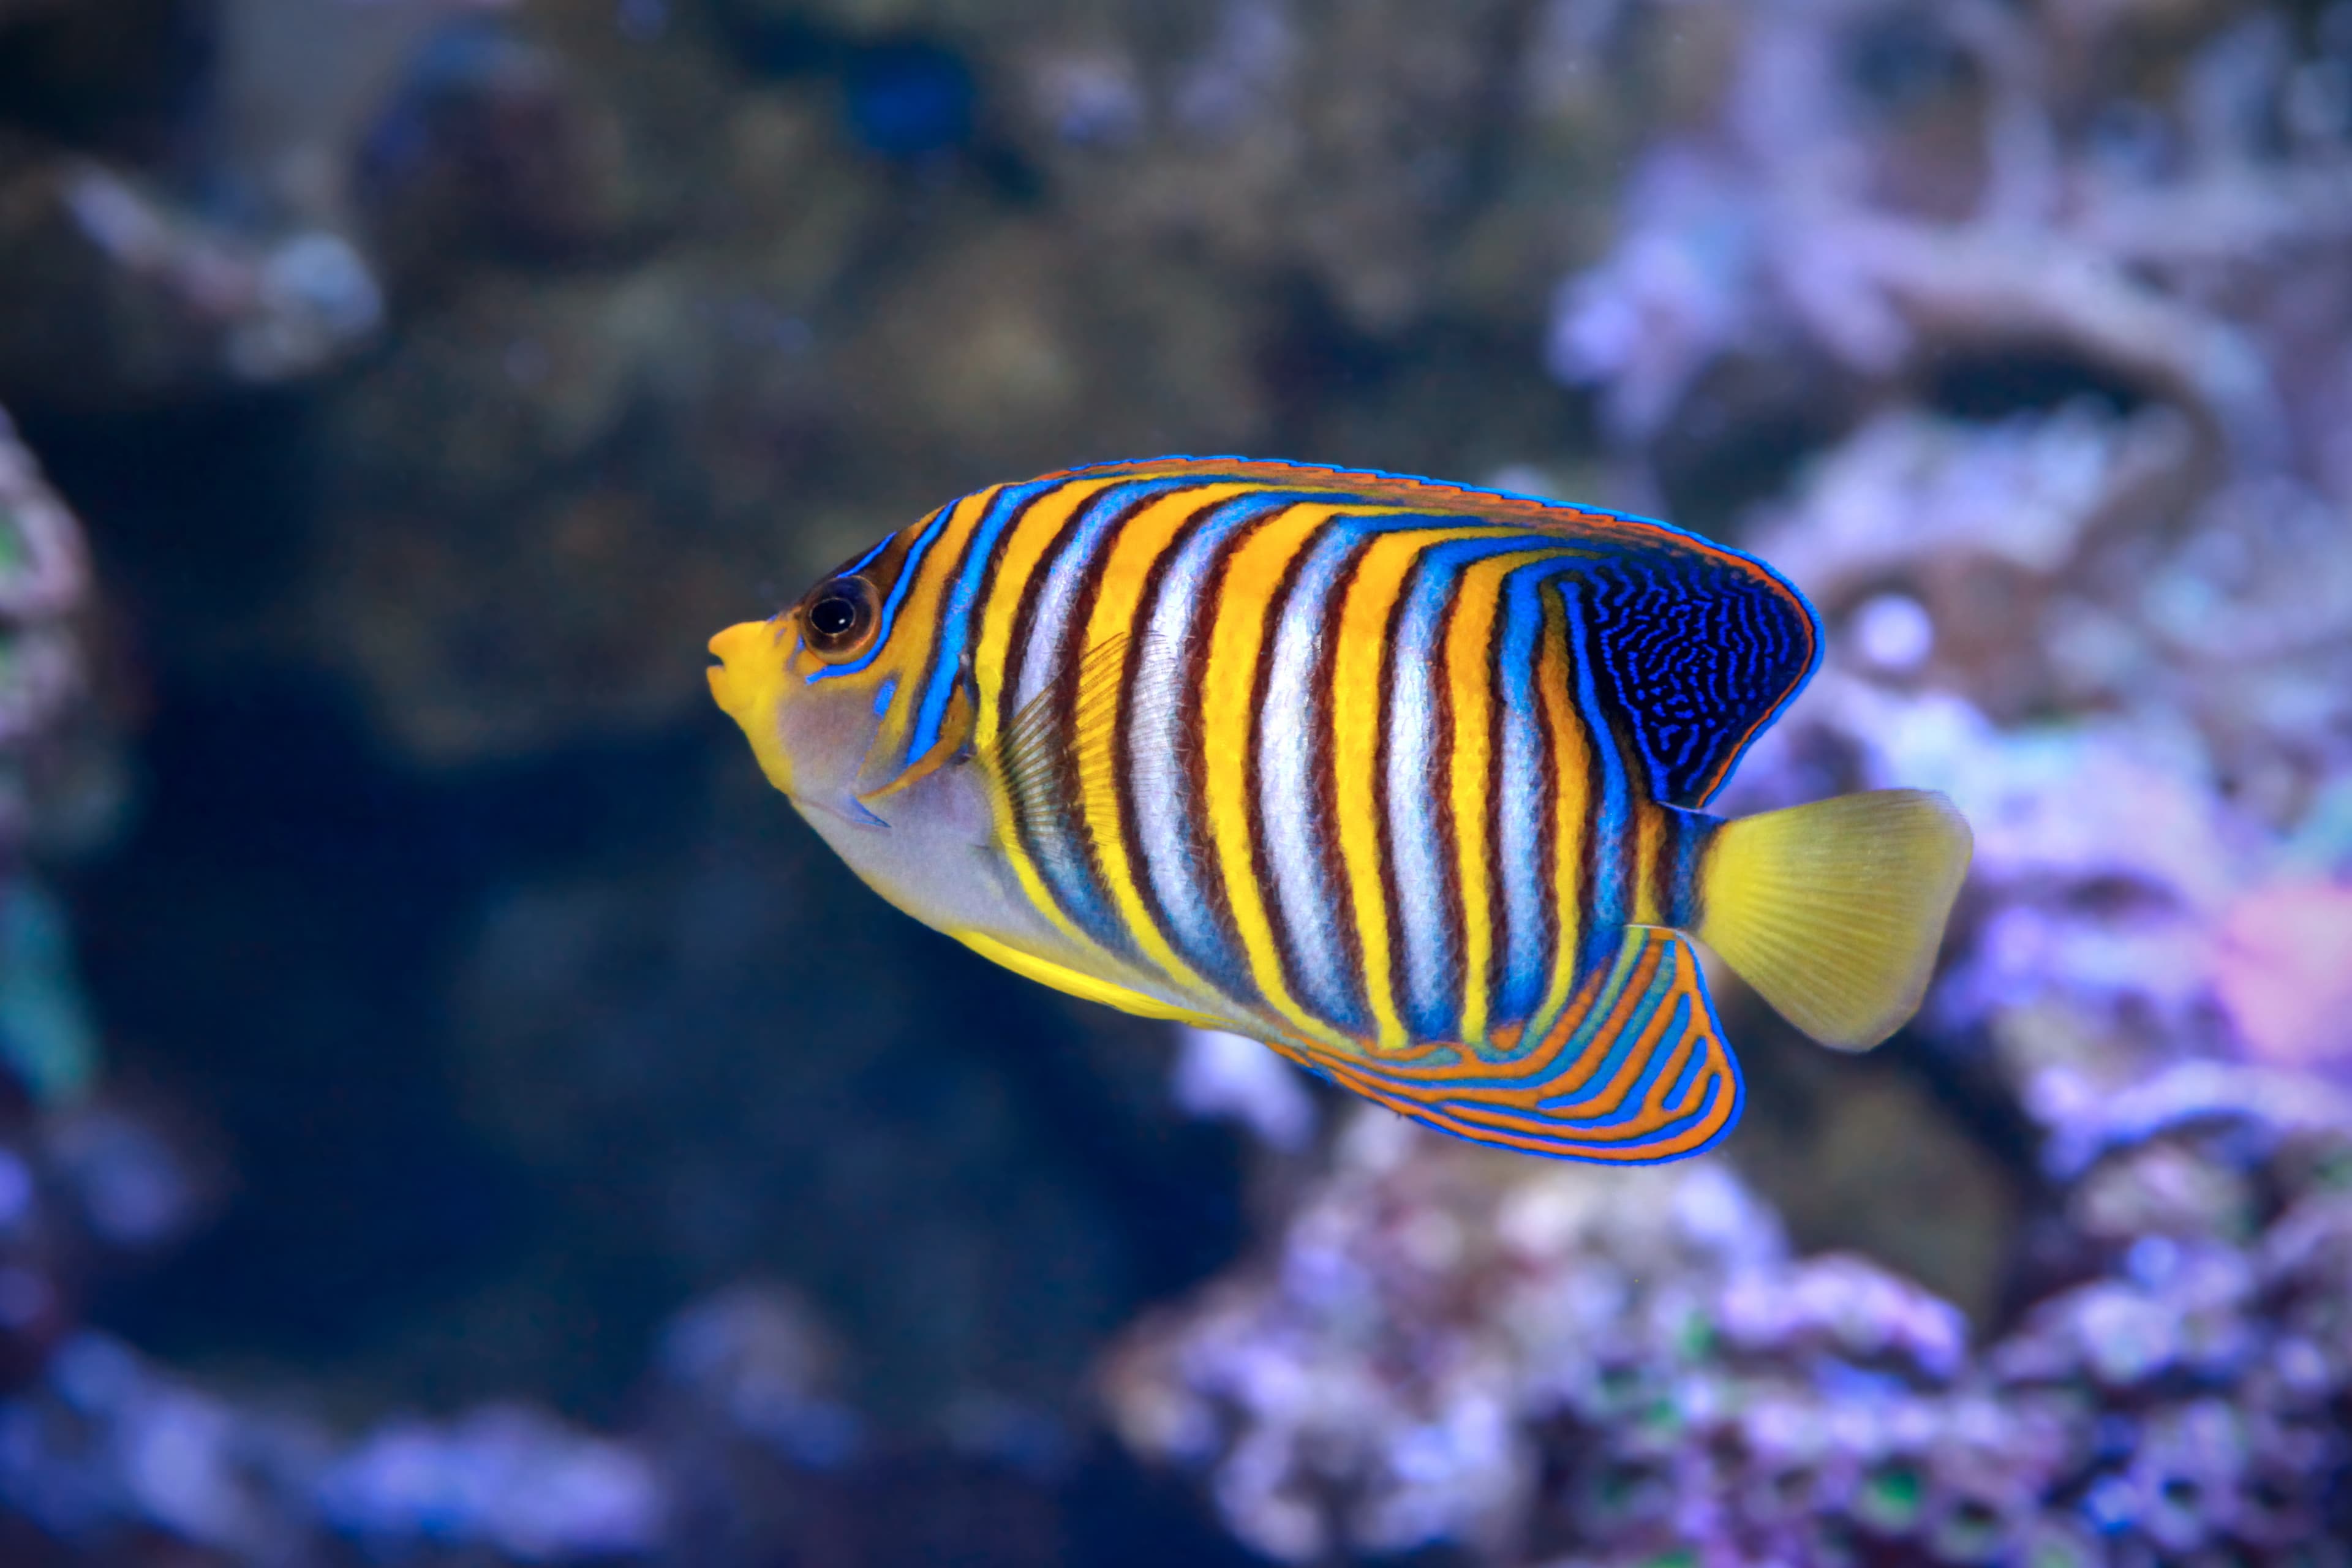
[1637,1074]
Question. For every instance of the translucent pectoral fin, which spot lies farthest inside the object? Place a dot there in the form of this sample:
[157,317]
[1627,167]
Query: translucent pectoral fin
[1636,1073]
[1039,756]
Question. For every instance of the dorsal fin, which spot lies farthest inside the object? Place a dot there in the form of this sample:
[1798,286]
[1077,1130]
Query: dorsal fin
[1696,647]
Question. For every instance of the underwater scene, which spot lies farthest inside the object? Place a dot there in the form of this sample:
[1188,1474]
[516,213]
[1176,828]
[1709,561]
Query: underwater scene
[1613,740]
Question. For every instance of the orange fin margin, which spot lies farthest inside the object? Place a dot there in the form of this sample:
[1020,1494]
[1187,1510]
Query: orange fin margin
[1637,1074]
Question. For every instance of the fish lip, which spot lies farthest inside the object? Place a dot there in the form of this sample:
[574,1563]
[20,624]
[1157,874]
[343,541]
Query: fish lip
[856,816]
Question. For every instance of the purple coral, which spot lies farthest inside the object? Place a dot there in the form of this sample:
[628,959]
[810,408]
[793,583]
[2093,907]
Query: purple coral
[1449,1345]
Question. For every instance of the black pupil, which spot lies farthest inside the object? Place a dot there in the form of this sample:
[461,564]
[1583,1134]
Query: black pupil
[833,615]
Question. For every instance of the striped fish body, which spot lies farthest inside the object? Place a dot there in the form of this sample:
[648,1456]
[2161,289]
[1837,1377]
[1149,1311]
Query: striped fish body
[1401,777]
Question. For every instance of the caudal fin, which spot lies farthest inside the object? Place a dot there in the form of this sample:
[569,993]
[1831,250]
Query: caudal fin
[1833,911]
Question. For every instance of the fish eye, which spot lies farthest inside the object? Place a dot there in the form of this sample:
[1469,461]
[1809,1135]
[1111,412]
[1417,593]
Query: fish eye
[837,617]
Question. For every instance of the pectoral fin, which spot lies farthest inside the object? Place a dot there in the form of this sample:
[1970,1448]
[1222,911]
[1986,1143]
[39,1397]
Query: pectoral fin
[1038,757]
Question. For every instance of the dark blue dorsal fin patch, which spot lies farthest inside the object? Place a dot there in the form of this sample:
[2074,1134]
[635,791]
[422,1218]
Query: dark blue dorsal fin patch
[1694,653]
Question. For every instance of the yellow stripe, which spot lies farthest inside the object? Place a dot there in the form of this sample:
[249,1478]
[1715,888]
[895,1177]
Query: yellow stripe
[1356,718]
[1228,684]
[1032,536]
[1469,673]
[1649,843]
[1140,543]
[917,632]
[1572,770]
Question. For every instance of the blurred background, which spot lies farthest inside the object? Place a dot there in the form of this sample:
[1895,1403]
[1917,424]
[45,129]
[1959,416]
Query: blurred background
[454,1113]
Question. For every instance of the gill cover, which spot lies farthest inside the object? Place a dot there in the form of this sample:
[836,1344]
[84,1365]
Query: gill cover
[886,759]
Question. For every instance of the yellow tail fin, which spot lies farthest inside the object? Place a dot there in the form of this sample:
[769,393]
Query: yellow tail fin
[1833,911]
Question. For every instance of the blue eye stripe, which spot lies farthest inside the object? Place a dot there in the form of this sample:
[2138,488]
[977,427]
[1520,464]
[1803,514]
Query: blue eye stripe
[863,561]
[907,575]
[882,695]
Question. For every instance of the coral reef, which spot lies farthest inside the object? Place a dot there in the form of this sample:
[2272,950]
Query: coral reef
[1561,1366]
[108,1448]
[740,1451]
[44,591]
[142,300]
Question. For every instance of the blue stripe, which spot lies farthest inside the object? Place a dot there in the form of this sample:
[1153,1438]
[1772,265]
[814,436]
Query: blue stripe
[1604,900]
[1041,661]
[1697,1061]
[1588,1030]
[863,561]
[1443,488]
[1293,718]
[1636,1096]
[955,616]
[1526,960]
[1513,1075]
[899,591]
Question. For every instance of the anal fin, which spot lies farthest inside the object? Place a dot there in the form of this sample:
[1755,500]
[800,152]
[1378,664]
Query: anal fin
[1637,1072]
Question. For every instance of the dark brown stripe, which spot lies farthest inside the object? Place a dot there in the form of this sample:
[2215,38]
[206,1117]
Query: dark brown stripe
[1498,892]
[1550,924]
[976,613]
[1322,763]
[1437,778]
[884,569]
[949,573]
[1130,829]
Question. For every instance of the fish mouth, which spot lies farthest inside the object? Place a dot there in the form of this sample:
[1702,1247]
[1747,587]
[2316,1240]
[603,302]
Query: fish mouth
[745,684]
[737,651]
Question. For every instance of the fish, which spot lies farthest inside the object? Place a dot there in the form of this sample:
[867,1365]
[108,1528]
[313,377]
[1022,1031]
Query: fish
[1404,778]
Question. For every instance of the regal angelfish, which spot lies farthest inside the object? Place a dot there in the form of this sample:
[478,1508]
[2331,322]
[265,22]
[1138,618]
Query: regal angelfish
[1402,777]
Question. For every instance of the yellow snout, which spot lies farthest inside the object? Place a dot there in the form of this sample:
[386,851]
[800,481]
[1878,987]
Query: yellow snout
[746,682]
